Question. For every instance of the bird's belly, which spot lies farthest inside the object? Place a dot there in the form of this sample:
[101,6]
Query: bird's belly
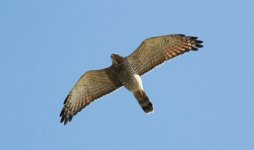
[133,83]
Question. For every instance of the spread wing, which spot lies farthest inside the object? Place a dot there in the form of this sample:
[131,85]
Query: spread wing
[156,50]
[92,85]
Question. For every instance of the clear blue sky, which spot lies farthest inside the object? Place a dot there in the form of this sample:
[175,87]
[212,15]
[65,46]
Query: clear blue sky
[203,100]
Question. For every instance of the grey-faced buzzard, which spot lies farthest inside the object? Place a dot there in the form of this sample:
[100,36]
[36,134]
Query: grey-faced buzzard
[126,71]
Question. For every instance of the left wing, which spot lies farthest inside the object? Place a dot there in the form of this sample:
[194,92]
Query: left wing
[156,50]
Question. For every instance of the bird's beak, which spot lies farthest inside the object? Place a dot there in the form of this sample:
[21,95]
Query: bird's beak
[114,61]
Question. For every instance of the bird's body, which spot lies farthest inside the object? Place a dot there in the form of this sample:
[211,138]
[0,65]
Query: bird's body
[126,71]
[127,74]
[130,79]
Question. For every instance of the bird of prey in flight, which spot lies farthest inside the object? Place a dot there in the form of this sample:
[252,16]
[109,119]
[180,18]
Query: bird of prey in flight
[127,72]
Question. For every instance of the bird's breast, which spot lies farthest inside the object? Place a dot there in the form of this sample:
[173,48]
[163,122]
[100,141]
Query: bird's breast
[129,77]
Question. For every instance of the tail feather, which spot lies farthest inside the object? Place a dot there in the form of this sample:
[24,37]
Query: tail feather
[143,101]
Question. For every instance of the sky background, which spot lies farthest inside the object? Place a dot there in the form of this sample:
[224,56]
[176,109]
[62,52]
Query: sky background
[203,100]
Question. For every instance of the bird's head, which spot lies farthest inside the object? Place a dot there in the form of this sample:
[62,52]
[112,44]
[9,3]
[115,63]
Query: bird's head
[116,59]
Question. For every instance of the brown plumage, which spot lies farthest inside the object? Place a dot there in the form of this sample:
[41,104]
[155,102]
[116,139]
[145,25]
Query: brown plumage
[126,71]
[154,51]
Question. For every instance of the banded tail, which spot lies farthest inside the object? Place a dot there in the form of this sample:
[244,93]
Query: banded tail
[143,101]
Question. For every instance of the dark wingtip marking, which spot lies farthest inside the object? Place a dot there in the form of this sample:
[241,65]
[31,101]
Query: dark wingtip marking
[62,119]
[67,97]
[199,41]
[193,37]
[66,118]
[70,118]
[194,49]
[199,46]
[180,34]
[61,114]
[65,121]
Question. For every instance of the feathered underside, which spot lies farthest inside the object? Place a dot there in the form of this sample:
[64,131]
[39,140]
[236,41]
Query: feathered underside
[91,86]
[154,51]
[97,83]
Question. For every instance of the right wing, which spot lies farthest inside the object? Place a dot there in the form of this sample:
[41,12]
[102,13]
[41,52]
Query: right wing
[92,85]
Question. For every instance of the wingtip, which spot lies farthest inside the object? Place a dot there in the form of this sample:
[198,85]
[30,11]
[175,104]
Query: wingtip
[65,122]
[67,97]
[197,43]
[62,119]
[193,37]
[180,34]
[66,119]
[61,114]
[199,46]
[65,116]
